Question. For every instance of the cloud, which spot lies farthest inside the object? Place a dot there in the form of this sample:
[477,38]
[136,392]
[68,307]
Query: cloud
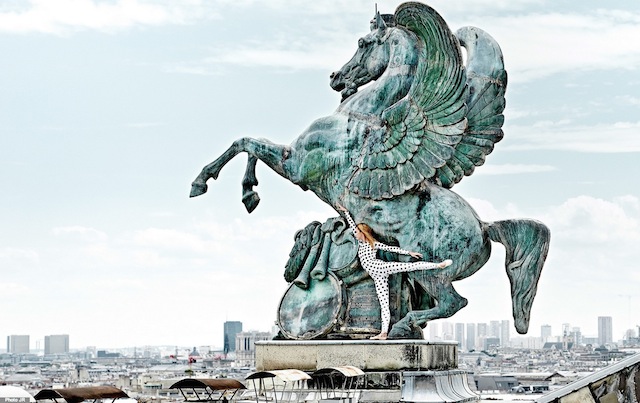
[324,49]
[619,137]
[16,254]
[13,290]
[64,16]
[629,100]
[512,169]
[586,221]
[542,44]
[80,233]
[535,45]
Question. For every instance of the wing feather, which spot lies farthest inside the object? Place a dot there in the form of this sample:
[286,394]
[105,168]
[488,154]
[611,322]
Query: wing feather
[486,82]
[448,122]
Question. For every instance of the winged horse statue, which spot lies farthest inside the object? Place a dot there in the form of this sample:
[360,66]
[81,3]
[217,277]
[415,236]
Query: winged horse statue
[393,149]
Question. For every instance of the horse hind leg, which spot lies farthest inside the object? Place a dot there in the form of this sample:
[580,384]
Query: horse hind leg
[448,303]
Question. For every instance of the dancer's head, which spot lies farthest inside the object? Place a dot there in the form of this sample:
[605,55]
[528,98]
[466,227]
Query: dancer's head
[365,233]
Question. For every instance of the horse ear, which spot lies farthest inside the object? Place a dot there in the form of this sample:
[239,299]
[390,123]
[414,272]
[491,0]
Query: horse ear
[380,22]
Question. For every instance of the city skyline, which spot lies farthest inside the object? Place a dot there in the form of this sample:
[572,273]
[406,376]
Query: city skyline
[439,327]
[109,110]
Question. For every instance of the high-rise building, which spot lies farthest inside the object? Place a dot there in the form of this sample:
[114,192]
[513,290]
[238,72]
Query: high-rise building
[18,344]
[482,330]
[545,333]
[575,336]
[231,330]
[471,336]
[56,344]
[433,331]
[505,333]
[482,333]
[447,331]
[459,334]
[494,329]
[605,330]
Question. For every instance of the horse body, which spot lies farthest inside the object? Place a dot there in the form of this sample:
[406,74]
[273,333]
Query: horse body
[427,217]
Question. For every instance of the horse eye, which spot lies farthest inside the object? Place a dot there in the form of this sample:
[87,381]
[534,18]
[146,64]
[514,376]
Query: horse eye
[361,43]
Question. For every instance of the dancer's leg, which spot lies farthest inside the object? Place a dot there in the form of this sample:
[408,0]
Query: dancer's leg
[382,290]
[399,267]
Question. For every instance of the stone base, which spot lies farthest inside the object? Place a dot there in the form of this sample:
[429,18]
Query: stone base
[436,386]
[368,355]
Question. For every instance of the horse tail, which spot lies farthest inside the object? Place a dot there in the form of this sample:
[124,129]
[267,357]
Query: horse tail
[527,244]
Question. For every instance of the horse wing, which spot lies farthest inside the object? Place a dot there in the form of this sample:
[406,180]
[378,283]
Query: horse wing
[419,133]
[487,82]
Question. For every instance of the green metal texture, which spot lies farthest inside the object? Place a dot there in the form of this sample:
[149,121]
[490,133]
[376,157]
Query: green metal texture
[390,154]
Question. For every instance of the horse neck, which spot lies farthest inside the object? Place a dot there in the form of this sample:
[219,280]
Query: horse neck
[393,84]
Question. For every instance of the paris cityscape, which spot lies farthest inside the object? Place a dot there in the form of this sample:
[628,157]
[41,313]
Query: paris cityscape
[497,361]
[131,264]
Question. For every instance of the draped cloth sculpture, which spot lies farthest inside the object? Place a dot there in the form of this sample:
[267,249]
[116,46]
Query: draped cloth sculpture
[390,154]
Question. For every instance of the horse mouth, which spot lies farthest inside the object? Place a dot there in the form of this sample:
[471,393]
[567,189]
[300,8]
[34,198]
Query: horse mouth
[347,92]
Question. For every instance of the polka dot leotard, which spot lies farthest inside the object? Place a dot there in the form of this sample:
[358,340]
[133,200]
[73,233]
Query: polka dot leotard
[379,270]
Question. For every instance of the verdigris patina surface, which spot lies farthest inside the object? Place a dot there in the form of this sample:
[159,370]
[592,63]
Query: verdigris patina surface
[390,153]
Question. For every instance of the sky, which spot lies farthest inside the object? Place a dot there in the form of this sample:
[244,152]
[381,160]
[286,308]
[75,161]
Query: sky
[110,108]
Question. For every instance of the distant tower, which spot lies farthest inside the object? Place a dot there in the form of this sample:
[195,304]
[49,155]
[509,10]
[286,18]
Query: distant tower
[505,333]
[459,336]
[471,336]
[494,329]
[545,333]
[447,331]
[482,333]
[433,331]
[18,344]
[56,344]
[231,329]
[605,330]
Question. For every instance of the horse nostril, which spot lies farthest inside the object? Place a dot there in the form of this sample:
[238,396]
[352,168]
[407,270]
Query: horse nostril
[332,75]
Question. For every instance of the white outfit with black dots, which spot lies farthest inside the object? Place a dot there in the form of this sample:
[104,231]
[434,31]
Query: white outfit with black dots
[379,270]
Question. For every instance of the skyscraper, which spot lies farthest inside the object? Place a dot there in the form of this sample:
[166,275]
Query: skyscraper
[545,333]
[482,331]
[471,336]
[605,330]
[505,333]
[56,344]
[231,329]
[433,331]
[18,344]
[447,331]
[494,329]
[459,334]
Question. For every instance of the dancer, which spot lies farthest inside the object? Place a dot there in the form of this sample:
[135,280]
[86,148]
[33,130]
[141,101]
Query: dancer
[379,270]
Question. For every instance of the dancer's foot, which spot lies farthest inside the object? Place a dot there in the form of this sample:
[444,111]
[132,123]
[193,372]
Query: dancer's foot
[445,263]
[381,336]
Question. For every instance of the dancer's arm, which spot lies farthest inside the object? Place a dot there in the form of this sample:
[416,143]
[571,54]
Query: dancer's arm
[352,224]
[389,248]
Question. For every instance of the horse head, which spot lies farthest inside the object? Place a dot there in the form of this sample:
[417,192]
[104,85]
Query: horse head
[385,46]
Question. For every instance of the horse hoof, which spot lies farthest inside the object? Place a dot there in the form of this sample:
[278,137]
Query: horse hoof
[250,200]
[198,189]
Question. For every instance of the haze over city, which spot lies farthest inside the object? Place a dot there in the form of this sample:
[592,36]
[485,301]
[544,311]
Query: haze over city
[109,110]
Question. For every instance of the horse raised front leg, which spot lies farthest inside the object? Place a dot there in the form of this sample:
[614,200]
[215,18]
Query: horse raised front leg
[273,155]
[250,198]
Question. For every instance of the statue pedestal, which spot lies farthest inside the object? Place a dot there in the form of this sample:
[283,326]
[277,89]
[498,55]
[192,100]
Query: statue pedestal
[395,370]
[368,355]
